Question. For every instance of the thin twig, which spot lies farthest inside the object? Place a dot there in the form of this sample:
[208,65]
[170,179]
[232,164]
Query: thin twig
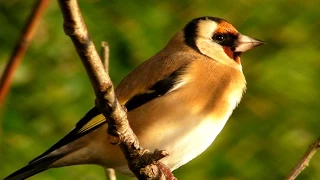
[110,174]
[105,55]
[141,162]
[21,47]
[304,162]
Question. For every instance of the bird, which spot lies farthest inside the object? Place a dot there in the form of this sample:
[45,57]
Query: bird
[178,100]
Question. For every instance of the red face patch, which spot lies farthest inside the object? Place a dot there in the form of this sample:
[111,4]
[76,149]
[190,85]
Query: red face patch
[228,51]
[231,54]
[225,27]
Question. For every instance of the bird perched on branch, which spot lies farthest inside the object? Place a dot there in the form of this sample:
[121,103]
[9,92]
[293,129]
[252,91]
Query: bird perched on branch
[179,100]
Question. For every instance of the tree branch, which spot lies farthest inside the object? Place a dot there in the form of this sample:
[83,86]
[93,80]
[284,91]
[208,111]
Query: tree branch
[143,163]
[21,47]
[105,55]
[110,174]
[304,162]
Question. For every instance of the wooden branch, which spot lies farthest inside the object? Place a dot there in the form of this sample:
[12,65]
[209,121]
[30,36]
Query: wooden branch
[21,47]
[105,55]
[110,174]
[304,162]
[143,163]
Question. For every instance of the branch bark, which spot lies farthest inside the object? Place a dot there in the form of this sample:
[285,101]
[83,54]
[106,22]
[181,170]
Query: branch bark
[105,55]
[21,47]
[110,174]
[304,162]
[143,163]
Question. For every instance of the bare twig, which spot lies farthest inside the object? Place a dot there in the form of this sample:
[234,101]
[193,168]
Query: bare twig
[105,55]
[304,162]
[110,174]
[142,162]
[21,47]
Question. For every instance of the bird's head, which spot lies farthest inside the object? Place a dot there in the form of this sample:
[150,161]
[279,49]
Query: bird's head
[218,39]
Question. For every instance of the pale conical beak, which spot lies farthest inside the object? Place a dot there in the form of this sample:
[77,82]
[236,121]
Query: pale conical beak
[245,43]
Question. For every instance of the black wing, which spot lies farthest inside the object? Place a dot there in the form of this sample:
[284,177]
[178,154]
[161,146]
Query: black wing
[159,89]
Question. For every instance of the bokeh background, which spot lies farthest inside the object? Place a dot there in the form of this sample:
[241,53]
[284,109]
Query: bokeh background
[265,137]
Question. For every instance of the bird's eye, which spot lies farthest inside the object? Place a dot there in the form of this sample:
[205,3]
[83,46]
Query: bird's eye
[219,37]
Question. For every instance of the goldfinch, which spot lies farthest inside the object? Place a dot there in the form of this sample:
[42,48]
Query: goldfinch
[179,100]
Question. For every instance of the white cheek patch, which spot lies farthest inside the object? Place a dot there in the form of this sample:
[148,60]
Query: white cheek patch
[211,49]
[215,51]
[206,28]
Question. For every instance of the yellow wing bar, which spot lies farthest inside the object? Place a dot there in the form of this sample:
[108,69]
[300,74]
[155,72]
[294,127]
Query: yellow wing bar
[92,123]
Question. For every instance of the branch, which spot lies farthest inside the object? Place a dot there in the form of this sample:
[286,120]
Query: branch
[105,55]
[21,47]
[304,162]
[110,174]
[143,163]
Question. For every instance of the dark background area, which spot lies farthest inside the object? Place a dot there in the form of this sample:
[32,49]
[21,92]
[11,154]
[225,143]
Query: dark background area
[265,137]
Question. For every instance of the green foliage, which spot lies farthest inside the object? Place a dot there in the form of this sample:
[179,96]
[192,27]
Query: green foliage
[267,134]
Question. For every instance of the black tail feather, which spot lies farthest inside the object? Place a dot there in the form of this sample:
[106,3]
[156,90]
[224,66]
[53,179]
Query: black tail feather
[32,168]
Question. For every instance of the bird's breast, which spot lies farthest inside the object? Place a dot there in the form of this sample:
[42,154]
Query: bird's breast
[191,144]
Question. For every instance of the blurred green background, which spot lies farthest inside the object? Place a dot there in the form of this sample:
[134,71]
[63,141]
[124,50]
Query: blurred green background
[266,135]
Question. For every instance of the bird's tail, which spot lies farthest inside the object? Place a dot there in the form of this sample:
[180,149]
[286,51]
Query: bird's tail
[34,167]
